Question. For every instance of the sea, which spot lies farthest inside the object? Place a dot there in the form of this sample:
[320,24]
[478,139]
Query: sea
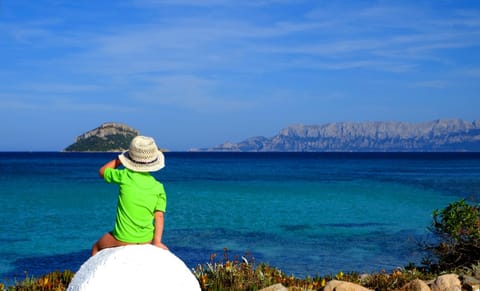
[307,214]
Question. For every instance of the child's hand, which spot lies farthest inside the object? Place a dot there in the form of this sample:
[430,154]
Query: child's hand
[160,245]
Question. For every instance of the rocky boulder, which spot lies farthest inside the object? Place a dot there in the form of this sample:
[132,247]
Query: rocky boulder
[337,285]
[416,285]
[448,282]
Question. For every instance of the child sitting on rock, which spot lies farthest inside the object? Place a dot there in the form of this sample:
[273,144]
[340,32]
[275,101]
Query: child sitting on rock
[142,199]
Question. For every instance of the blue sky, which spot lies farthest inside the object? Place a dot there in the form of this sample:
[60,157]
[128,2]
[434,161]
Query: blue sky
[196,73]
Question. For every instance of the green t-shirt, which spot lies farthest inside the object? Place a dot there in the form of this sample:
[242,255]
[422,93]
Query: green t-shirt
[140,196]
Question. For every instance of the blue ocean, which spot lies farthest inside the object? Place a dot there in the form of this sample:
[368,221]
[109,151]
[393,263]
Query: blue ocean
[305,213]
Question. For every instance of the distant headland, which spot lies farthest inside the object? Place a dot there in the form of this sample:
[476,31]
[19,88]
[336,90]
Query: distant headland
[443,135]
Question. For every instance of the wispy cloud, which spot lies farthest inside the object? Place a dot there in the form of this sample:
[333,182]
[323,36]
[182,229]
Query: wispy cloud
[436,84]
[472,72]
[11,102]
[199,43]
[75,105]
[25,102]
[57,88]
[212,3]
[189,91]
[215,56]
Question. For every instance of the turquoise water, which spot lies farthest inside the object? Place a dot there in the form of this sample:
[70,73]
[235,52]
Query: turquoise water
[306,213]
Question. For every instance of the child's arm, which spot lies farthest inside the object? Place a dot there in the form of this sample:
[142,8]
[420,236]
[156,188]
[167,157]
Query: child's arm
[157,238]
[112,164]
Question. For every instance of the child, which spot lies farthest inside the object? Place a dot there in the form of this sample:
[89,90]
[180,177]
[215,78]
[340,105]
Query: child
[142,199]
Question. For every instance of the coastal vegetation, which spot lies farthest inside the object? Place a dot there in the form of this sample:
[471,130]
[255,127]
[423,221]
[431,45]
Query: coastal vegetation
[458,229]
[455,250]
[116,142]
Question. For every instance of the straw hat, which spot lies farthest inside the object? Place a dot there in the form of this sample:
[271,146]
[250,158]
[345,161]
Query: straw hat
[143,155]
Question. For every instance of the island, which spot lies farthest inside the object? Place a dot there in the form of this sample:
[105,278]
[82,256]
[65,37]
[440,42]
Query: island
[108,137]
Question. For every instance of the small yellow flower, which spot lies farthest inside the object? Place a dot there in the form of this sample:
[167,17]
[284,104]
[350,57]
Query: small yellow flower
[228,266]
[323,283]
[397,273]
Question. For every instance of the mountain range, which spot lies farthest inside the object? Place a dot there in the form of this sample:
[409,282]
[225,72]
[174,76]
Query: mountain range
[453,135]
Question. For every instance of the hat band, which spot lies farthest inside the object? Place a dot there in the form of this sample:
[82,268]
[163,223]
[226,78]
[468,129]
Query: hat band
[142,163]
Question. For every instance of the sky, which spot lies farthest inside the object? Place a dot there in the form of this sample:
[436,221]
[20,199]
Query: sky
[198,73]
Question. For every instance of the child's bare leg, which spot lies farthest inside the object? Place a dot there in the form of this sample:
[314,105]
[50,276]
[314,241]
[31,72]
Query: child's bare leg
[106,241]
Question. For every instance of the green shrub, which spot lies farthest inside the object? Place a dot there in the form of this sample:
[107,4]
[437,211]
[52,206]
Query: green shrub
[458,229]
[114,142]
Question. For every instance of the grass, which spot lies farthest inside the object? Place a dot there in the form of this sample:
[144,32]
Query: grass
[243,274]
[57,280]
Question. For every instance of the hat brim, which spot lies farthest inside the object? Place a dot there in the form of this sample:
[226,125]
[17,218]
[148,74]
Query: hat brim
[154,166]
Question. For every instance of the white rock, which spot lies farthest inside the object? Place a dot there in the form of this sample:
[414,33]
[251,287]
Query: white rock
[134,267]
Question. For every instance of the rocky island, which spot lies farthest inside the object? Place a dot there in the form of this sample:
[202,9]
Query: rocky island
[108,137]
[443,135]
